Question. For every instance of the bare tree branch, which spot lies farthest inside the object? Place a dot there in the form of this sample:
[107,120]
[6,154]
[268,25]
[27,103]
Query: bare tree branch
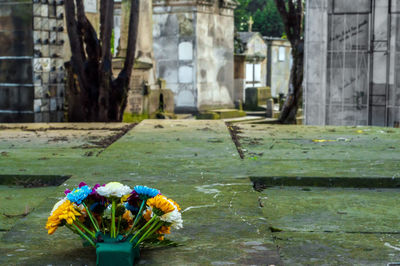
[300,14]
[105,66]
[77,53]
[94,94]
[106,26]
[122,82]
[88,32]
[286,19]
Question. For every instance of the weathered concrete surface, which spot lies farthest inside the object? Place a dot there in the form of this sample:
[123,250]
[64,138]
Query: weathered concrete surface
[320,226]
[225,220]
[332,210]
[337,248]
[52,149]
[299,151]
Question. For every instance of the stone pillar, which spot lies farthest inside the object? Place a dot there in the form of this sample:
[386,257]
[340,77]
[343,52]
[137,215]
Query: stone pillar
[144,45]
[269,111]
[315,61]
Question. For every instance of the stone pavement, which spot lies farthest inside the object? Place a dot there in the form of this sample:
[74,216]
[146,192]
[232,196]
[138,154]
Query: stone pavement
[196,163]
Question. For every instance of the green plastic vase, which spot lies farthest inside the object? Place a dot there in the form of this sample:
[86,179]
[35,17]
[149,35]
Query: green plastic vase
[115,252]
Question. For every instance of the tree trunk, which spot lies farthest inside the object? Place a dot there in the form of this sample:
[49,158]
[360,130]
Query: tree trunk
[295,92]
[96,95]
[292,12]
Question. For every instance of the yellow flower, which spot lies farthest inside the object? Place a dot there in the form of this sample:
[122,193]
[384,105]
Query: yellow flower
[161,203]
[125,198]
[65,211]
[323,140]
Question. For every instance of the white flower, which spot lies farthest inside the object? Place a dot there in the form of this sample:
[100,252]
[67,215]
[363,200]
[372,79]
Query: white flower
[58,204]
[114,189]
[174,217]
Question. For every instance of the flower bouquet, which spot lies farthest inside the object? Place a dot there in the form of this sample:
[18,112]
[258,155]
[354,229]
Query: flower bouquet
[116,219]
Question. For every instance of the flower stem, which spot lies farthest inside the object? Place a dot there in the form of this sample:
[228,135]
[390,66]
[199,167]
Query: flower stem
[85,228]
[113,219]
[145,235]
[94,221]
[138,215]
[160,223]
[103,226]
[83,235]
[119,223]
[141,229]
[71,228]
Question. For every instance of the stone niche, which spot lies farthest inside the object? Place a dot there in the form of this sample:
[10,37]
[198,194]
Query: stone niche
[193,49]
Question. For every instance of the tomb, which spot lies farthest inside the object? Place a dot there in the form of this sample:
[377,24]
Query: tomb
[193,48]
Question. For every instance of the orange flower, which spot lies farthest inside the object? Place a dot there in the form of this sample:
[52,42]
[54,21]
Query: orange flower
[164,230]
[128,217]
[147,215]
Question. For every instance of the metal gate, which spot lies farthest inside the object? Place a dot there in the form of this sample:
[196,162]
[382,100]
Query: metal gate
[361,72]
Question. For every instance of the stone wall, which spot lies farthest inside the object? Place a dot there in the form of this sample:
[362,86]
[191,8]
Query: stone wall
[193,47]
[48,62]
[351,64]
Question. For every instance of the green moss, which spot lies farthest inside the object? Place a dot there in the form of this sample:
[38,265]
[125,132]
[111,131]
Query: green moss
[134,118]
[162,115]
[221,114]
[208,116]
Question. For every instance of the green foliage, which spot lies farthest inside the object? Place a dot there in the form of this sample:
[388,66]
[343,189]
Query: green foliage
[112,43]
[266,18]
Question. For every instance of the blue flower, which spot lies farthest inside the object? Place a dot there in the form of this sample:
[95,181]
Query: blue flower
[146,192]
[79,194]
[131,208]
